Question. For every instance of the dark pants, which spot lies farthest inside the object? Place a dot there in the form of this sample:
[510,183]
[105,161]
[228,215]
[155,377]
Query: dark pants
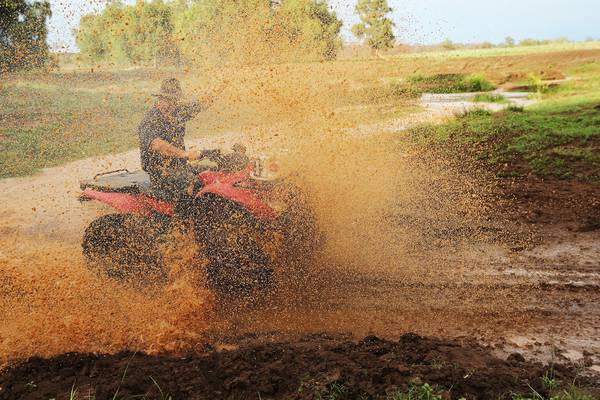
[174,186]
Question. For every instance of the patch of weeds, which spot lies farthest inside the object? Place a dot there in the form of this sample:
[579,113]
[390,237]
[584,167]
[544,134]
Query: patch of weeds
[540,86]
[332,391]
[586,68]
[437,363]
[574,393]
[549,381]
[515,109]
[589,154]
[451,83]
[548,165]
[425,392]
[551,386]
[163,395]
[508,174]
[478,83]
[475,112]
[490,98]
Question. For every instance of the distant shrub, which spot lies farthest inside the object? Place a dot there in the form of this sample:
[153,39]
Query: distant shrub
[517,109]
[448,45]
[478,83]
[530,42]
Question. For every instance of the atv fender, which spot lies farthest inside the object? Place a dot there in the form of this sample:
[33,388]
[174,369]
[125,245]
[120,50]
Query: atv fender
[130,203]
[244,197]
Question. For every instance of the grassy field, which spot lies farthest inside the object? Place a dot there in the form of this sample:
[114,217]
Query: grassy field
[559,137]
[507,51]
[49,119]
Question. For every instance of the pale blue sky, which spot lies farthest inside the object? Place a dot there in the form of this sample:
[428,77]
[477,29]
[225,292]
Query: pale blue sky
[423,21]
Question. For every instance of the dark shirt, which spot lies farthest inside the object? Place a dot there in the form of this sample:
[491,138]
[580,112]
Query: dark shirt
[172,130]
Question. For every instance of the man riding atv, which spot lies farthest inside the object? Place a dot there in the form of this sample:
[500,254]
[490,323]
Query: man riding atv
[162,146]
[250,223]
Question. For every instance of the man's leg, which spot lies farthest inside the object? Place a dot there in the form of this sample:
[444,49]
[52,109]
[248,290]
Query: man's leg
[180,188]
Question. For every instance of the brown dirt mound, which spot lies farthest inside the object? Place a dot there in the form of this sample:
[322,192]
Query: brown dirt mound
[572,203]
[311,367]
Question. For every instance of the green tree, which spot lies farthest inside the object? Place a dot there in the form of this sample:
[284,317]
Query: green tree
[312,25]
[213,31]
[100,36]
[254,31]
[375,26]
[23,34]
[509,41]
[147,32]
[137,34]
[448,45]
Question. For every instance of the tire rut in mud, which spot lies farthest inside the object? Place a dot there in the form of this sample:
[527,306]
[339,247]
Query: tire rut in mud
[316,366]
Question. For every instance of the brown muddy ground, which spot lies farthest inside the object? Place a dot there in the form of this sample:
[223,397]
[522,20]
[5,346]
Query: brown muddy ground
[502,278]
[310,367]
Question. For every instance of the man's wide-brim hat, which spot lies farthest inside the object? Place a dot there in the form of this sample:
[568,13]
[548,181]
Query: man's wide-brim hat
[170,89]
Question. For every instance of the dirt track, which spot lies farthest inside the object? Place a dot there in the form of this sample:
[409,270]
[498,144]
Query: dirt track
[540,299]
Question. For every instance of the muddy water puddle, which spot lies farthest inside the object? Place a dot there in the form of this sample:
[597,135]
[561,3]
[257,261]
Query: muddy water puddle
[451,103]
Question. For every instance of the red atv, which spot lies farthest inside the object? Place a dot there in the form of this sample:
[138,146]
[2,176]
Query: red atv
[248,224]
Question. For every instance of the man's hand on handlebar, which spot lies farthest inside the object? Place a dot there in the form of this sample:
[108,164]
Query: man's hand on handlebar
[194,155]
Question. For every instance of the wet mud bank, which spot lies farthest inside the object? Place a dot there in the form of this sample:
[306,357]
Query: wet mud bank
[309,367]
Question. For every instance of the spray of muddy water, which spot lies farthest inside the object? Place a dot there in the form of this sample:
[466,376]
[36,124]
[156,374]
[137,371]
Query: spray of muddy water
[379,202]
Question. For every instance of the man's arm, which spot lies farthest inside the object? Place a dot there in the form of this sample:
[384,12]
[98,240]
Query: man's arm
[163,147]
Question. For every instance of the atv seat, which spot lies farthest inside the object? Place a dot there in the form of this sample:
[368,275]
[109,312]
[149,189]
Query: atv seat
[121,181]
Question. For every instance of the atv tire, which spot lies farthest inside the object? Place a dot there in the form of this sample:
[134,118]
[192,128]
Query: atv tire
[124,247]
[237,264]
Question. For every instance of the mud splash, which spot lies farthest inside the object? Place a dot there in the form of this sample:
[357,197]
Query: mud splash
[380,203]
[385,208]
[51,303]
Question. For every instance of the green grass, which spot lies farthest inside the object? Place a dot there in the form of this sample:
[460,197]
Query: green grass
[46,125]
[48,120]
[503,51]
[558,137]
[450,83]
[552,139]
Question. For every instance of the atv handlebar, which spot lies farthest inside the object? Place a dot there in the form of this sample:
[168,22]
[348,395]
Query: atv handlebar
[235,161]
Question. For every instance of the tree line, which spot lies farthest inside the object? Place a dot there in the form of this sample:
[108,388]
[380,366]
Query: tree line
[23,34]
[195,31]
[243,31]
[192,31]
